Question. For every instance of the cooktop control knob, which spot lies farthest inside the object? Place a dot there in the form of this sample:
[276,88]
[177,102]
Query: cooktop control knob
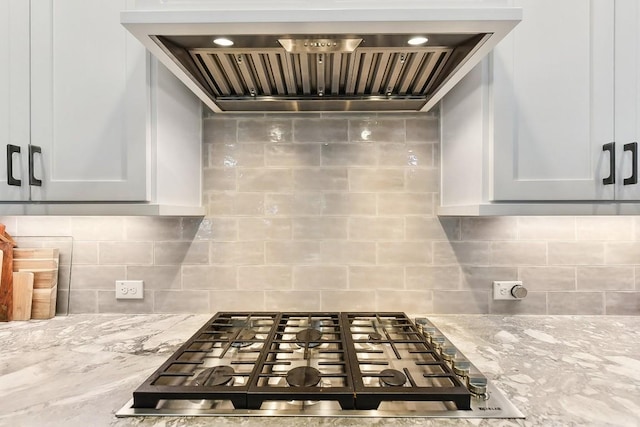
[519,291]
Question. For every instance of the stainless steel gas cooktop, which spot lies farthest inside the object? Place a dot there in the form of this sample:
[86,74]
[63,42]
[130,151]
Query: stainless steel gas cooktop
[318,364]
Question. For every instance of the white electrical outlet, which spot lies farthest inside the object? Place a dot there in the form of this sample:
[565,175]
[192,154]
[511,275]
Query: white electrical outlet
[129,289]
[509,290]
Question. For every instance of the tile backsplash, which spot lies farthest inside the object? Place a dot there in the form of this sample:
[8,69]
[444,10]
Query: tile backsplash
[334,212]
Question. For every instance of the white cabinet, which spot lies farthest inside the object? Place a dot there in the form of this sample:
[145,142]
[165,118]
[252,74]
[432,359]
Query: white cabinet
[627,91]
[88,110]
[14,98]
[533,119]
[98,123]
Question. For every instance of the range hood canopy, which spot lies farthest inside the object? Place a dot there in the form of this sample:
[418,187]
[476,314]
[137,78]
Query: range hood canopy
[339,56]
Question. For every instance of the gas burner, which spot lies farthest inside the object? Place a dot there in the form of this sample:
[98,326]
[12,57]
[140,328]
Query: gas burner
[243,339]
[392,378]
[218,375]
[375,337]
[308,337]
[303,376]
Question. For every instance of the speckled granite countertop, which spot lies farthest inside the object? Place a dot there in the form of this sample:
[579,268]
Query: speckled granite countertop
[558,370]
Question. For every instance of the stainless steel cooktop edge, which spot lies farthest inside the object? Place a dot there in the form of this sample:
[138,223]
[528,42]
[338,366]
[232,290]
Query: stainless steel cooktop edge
[497,406]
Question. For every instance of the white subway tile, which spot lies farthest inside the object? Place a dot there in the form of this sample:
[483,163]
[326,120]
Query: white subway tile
[463,302]
[96,277]
[156,277]
[310,277]
[153,228]
[348,252]
[292,252]
[376,180]
[260,277]
[237,253]
[292,301]
[307,203]
[125,253]
[608,228]
[209,277]
[404,204]
[350,154]
[236,300]
[320,179]
[498,228]
[376,228]
[181,302]
[347,300]
[266,228]
[294,155]
[318,228]
[407,301]
[413,155]
[575,302]
[518,253]
[422,180]
[320,130]
[404,253]
[265,130]
[606,278]
[348,204]
[548,278]
[377,129]
[176,253]
[576,253]
[219,179]
[262,180]
[461,253]
[235,155]
[547,228]
[376,277]
[433,277]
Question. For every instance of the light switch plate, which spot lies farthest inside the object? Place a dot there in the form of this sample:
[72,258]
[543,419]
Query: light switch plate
[129,289]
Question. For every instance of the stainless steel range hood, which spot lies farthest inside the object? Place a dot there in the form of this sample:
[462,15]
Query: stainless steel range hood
[326,56]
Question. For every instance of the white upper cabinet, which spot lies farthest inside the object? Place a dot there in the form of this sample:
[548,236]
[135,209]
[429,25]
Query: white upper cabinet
[14,99]
[554,103]
[550,117]
[627,94]
[94,119]
[88,110]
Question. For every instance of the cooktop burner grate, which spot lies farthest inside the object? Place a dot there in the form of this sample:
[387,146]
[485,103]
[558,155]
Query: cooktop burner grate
[356,361]
[304,340]
[400,365]
[218,362]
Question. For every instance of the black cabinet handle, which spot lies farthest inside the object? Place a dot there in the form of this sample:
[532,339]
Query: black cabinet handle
[633,147]
[611,179]
[33,149]
[11,149]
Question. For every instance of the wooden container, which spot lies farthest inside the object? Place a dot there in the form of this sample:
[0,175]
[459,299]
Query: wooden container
[43,305]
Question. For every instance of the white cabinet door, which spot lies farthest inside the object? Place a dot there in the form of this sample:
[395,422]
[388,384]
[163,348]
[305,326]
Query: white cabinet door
[553,89]
[88,103]
[627,114]
[14,96]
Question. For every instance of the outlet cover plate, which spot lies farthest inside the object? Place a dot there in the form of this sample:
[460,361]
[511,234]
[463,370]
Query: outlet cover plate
[502,289]
[129,289]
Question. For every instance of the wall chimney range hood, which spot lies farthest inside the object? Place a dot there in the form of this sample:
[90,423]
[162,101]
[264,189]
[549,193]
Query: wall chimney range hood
[334,55]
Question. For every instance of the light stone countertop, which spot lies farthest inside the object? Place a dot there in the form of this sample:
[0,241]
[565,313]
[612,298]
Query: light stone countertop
[558,370]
